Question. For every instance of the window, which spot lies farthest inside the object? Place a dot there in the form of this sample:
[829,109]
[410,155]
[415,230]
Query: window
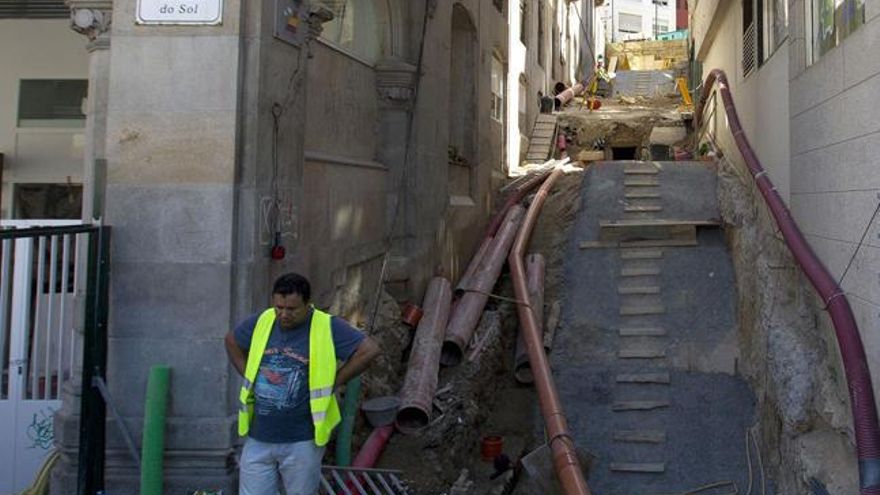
[752,37]
[830,22]
[541,53]
[661,26]
[355,27]
[629,23]
[497,104]
[523,17]
[51,102]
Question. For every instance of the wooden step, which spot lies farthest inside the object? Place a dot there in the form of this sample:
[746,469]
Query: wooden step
[639,272]
[661,378]
[645,243]
[642,310]
[641,254]
[641,171]
[639,436]
[641,194]
[641,353]
[641,182]
[638,290]
[641,332]
[639,405]
[642,209]
[639,467]
[651,229]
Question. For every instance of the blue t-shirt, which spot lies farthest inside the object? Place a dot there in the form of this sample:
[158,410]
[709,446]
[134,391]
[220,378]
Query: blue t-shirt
[281,410]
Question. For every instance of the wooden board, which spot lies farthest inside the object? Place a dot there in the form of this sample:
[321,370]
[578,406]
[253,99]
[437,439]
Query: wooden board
[639,467]
[642,332]
[640,243]
[639,405]
[640,436]
[649,378]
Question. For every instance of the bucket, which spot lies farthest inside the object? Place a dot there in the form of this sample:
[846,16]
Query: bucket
[381,411]
[491,447]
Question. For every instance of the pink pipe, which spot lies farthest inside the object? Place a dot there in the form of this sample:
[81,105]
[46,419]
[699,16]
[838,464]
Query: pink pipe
[372,449]
[567,95]
[535,270]
[855,363]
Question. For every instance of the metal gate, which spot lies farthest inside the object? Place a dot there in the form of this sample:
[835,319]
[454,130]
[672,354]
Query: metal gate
[43,280]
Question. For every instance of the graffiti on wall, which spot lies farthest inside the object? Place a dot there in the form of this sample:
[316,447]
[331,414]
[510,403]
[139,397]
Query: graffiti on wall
[41,430]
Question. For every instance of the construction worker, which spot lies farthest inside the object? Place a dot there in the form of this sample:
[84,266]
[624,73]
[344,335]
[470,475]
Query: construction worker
[288,356]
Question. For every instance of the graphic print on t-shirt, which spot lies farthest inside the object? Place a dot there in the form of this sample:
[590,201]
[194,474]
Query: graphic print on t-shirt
[282,384]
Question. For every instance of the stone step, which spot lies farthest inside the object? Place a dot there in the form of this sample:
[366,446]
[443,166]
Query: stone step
[639,467]
[639,405]
[661,378]
[639,436]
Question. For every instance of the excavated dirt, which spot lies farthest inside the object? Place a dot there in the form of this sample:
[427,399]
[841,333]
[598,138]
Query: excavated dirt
[479,397]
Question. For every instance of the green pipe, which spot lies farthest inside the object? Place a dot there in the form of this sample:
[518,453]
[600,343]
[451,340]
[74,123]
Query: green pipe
[154,431]
[346,427]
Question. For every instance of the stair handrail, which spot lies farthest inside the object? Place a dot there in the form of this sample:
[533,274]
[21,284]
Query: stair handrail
[855,363]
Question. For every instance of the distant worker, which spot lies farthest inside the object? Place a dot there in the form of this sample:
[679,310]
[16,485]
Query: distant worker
[288,357]
[545,103]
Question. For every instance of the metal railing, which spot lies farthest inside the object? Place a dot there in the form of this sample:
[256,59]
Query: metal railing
[53,306]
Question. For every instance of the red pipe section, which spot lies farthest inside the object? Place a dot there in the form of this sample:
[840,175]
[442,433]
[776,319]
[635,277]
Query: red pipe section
[535,270]
[567,95]
[373,447]
[513,198]
[565,460]
[424,360]
[852,351]
[468,310]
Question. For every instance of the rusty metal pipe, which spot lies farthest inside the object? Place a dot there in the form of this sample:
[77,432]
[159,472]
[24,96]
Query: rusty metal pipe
[535,270]
[517,195]
[567,95]
[424,360]
[565,460]
[467,311]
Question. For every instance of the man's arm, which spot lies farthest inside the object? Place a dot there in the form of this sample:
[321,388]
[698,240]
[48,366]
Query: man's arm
[365,353]
[236,355]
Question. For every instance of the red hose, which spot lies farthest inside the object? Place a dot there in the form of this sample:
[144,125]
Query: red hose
[852,351]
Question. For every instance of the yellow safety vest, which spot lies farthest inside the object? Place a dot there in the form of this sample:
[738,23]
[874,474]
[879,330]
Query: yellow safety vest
[322,374]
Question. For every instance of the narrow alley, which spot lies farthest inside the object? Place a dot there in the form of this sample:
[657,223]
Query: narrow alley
[413,247]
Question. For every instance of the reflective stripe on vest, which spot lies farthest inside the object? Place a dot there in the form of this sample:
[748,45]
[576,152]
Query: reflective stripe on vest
[322,374]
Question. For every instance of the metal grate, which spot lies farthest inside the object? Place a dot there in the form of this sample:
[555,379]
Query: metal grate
[750,50]
[357,481]
[33,9]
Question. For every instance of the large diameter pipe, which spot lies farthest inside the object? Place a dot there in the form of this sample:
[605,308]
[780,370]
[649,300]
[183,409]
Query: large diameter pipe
[535,270]
[567,95]
[420,384]
[565,459]
[469,308]
[515,197]
[852,351]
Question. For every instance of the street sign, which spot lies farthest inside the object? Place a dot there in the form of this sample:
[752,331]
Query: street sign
[203,12]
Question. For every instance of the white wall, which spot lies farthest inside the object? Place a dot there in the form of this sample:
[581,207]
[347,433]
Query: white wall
[835,170]
[38,49]
[644,8]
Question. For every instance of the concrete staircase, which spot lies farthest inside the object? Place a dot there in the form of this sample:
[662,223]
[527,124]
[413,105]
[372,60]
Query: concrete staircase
[645,358]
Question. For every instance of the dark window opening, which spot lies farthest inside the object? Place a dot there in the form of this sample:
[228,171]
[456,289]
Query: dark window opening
[51,99]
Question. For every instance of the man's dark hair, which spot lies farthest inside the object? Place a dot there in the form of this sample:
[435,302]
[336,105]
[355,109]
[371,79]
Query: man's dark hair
[293,283]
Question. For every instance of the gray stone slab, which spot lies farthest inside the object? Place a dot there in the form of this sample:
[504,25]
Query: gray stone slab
[171,223]
[170,300]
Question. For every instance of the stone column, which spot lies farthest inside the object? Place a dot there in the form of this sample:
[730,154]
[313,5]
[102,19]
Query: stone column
[395,84]
[91,18]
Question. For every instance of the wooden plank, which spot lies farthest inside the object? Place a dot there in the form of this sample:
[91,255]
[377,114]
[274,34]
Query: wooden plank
[641,254]
[638,290]
[652,378]
[640,436]
[642,310]
[641,332]
[640,182]
[641,195]
[640,171]
[642,209]
[639,405]
[657,222]
[641,353]
[644,229]
[639,272]
[639,467]
[645,243]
